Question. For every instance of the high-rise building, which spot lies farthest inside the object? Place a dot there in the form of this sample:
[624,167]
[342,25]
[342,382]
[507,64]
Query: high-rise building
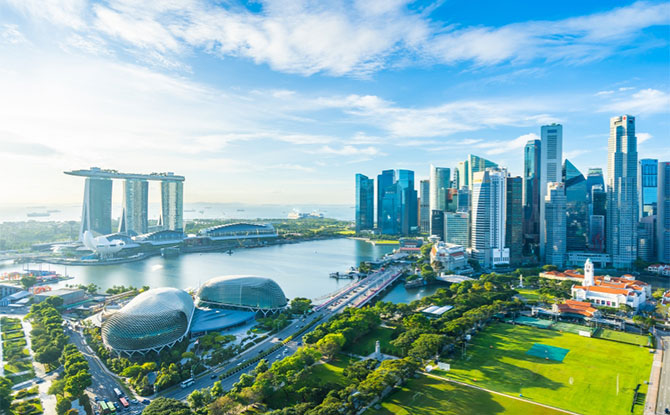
[456,228]
[647,183]
[463,200]
[440,178]
[622,197]
[594,178]
[424,205]
[172,205]
[384,180]
[365,209]
[645,240]
[551,159]
[576,208]
[663,213]
[407,206]
[489,192]
[135,215]
[555,242]
[96,213]
[476,164]
[461,174]
[514,219]
[531,197]
[437,223]
[598,213]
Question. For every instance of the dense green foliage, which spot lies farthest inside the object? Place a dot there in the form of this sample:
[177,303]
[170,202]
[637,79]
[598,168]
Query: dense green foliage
[163,406]
[22,235]
[47,337]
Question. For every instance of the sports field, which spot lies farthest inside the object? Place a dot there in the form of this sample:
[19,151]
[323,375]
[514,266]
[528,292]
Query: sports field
[595,377]
[429,396]
[623,337]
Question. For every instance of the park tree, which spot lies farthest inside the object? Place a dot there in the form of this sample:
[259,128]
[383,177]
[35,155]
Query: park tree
[330,344]
[28,281]
[48,355]
[225,405]
[426,346]
[359,370]
[217,389]
[163,406]
[5,394]
[76,385]
[62,405]
[300,305]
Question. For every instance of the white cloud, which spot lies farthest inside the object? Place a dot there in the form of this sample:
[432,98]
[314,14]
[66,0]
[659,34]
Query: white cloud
[642,137]
[348,150]
[9,33]
[644,102]
[500,147]
[574,153]
[341,38]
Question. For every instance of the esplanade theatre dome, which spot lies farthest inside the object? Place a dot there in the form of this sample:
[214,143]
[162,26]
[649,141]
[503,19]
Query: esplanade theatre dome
[242,291]
[153,320]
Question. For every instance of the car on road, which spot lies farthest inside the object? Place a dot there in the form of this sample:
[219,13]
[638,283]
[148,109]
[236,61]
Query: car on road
[146,401]
[214,376]
[95,398]
[134,401]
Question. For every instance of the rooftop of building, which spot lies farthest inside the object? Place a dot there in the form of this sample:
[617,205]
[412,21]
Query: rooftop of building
[115,174]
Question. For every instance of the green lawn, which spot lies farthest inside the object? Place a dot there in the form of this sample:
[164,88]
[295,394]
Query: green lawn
[585,382]
[321,374]
[529,294]
[623,337]
[366,344]
[430,396]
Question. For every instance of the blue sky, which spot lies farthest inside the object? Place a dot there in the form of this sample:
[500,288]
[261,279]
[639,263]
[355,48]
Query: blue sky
[284,101]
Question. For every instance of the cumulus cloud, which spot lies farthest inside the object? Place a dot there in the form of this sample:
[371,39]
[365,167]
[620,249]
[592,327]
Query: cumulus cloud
[644,102]
[500,147]
[348,150]
[642,137]
[344,37]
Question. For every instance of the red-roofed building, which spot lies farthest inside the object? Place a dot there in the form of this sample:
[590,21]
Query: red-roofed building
[610,291]
[581,308]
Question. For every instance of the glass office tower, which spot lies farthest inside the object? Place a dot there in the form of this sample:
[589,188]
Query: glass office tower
[97,208]
[365,209]
[576,207]
[384,181]
[135,215]
[648,184]
[531,197]
[172,205]
[514,220]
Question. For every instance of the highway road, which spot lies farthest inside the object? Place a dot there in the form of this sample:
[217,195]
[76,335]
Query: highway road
[663,401]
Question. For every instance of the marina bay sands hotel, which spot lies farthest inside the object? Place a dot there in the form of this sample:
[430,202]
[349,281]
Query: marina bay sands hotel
[96,215]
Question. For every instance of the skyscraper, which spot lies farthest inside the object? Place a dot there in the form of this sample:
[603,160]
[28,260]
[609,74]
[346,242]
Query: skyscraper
[476,164]
[555,242]
[437,223]
[407,202]
[461,174]
[622,198]
[489,192]
[514,219]
[594,178]
[135,215]
[576,208]
[439,185]
[96,213]
[531,197]
[424,206]
[647,183]
[384,181]
[598,213]
[365,194]
[172,205]
[551,159]
[663,213]
[463,200]
[456,228]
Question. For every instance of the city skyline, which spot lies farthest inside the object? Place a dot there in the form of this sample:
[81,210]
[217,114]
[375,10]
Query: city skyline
[138,89]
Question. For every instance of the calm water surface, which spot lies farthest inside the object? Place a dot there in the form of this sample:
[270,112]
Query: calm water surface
[302,269]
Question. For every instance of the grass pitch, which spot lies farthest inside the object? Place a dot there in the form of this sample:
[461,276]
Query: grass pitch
[596,377]
[623,337]
[430,396]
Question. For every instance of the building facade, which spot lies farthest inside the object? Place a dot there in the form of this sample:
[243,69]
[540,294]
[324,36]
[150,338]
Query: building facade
[172,205]
[663,213]
[647,183]
[456,228]
[555,236]
[551,160]
[489,193]
[576,208]
[440,179]
[477,164]
[622,196]
[531,197]
[135,215]
[384,181]
[424,206]
[96,215]
[365,209]
[514,219]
